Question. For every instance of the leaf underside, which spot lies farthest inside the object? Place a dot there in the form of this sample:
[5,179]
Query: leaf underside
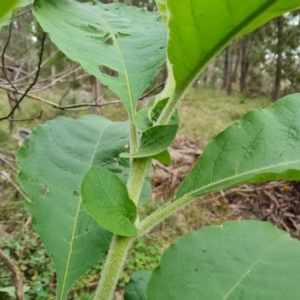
[237,260]
[123,46]
[53,161]
[263,146]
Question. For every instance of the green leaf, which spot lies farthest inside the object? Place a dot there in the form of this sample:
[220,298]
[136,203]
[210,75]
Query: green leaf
[123,46]
[154,141]
[53,161]
[164,157]
[147,116]
[8,7]
[136,288]
[106,199]
[163,10]
[141,119]
[199,29]
[10,291]
[264,145]
[237,260]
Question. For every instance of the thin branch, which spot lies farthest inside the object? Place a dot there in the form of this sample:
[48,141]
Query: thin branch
[18,189]
[3,57]
[32,84]
[68,89]
[16,273]
[66,107]
[27,119]
[151,91]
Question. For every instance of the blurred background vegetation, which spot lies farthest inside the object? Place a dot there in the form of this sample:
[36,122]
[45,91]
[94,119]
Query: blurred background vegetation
[253,71]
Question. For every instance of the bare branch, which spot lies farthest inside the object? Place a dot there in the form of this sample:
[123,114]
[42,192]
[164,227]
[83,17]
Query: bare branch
[18,282]
[3,57]
[66,107]
[31,85]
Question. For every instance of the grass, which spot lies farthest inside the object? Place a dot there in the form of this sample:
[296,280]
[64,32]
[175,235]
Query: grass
[203,113]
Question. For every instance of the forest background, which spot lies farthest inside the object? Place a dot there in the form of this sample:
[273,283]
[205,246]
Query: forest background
[252,71]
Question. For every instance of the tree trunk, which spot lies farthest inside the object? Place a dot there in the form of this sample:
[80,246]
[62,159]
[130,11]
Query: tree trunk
[229,71]
[244,63]
[225,70]
[278,73]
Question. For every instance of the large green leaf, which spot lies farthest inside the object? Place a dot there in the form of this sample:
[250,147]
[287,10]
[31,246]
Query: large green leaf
[136,288]
[126,42]
[264,145]
[105,197]
[199,29]
[236,261]
[53,161]
[8,7]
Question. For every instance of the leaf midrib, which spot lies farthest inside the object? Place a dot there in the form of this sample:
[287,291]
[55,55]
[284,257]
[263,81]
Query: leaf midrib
[197,192]
[124,68]
[249,269]
[76,220]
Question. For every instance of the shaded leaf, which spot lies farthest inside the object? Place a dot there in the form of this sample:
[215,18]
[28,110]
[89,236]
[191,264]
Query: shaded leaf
[53,161]
[154,141]
[264,145]
[237,260]
[136,288]
[164,157]
[125,55]
[106,199]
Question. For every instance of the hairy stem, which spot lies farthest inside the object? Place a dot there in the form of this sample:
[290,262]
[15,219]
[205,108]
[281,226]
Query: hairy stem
[162,213]
[134,140]
[138,171]
[113,267]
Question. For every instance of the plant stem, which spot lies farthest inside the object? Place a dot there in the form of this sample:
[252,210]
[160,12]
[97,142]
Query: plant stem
[113,266]
[138,171]
[162,213]
[134,140]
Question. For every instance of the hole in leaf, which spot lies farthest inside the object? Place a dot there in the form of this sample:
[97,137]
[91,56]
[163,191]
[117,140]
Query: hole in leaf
[109,41]
[108,71]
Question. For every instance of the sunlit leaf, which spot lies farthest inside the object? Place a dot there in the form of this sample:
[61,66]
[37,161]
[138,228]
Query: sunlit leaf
[199,29]
[8,7]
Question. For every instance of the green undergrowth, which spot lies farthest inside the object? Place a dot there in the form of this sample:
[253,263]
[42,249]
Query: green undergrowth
[203,113]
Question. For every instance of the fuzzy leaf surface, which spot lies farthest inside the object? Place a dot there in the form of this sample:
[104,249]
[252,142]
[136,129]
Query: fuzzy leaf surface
[53,161]
[106,199]
[263,146]
[123,46]
[237,260]
[199,29]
